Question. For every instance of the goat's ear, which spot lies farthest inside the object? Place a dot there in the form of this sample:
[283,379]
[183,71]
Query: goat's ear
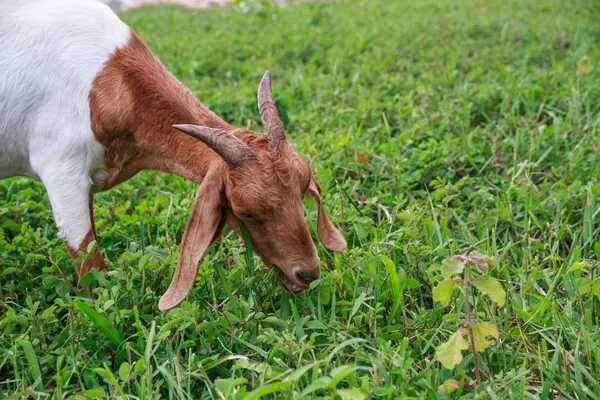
[205,224]
[331,238]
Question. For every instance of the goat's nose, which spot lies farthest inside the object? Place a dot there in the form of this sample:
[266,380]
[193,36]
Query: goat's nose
[307,276]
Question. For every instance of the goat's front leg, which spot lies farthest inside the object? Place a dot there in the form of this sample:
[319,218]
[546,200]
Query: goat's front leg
[72,205]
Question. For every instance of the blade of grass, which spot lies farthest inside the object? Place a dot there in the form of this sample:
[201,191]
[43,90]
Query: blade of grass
[249,253]
[297,321]
[33,364]
[103,324]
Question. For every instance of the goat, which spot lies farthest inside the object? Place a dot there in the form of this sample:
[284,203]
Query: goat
[85,105]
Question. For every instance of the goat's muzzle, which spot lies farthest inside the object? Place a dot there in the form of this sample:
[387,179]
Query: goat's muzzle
[300,279]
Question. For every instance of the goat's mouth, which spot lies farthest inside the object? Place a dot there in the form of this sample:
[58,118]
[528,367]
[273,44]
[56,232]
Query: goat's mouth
[291,284]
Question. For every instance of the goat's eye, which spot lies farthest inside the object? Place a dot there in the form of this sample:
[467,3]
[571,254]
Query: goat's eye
[246,216]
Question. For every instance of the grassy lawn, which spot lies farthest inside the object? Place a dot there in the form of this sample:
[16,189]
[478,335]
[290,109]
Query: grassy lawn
[436,129]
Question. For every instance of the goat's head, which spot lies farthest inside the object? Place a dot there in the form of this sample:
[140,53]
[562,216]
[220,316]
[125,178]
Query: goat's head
[262,183]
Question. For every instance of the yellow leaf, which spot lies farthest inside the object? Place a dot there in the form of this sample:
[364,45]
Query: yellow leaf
[584,66]
[449,353]
[451,266]
[480,333]
[443,291]
[449,386]
[489,260]
[492,288]
[578,265]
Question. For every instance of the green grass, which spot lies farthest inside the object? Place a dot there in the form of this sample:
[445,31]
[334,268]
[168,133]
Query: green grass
[480,120]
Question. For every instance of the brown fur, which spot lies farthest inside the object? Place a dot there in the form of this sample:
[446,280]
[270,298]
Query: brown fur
[96,260]
[133,104]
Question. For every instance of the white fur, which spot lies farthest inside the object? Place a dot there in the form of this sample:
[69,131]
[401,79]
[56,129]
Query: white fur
[50,53]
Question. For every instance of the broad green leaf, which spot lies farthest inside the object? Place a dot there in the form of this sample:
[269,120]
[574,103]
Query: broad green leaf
[351,394]
[240,381]
[271,319]
[443,291]
[47,313]
[144,261]
[91,246]
[523,314]
[339,373]
[357,303]
[449,386]
[265,390]
[98,392]
[480,332]
[451,266]
[101,279]
[584,286]
[138,365]
[410,283]
[449,353]
[9,270]
[491,287]
[12,226]
[318,384]
[232,318]
[103,324]
[578,265]
[124,371]
[316,324]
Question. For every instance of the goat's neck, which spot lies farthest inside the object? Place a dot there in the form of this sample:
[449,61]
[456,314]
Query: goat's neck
[134,104]
[167,149]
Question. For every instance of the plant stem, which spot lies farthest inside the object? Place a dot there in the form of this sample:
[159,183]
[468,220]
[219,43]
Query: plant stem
[468,310]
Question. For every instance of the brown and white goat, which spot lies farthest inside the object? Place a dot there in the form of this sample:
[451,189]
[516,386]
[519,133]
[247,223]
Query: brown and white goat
[85,105]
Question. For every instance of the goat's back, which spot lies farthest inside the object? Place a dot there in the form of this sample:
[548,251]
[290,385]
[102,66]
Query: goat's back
[50,53]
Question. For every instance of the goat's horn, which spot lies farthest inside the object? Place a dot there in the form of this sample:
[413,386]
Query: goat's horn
[230,148]
[268,112]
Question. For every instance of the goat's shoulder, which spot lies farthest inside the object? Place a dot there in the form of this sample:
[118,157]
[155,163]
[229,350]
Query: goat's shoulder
[50,54]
